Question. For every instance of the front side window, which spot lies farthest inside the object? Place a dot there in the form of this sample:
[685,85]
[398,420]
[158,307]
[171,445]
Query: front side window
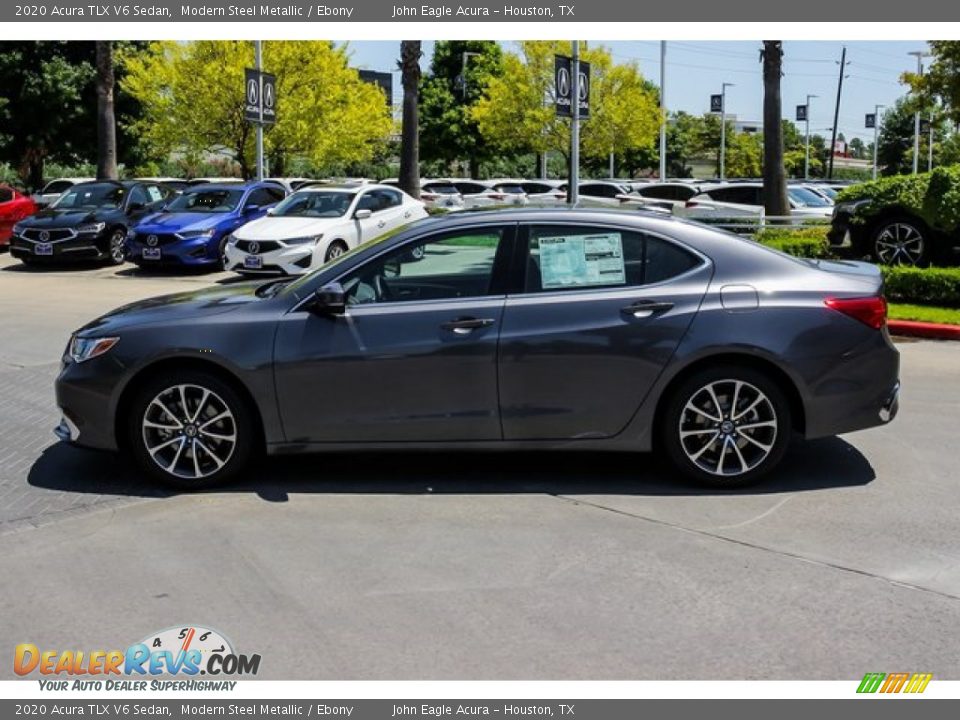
[138,197]
[578,257]
[457,265]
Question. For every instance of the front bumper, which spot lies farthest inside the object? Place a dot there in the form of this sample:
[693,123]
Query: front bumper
[86,394]
[199,251]
[76,249]
[287,260]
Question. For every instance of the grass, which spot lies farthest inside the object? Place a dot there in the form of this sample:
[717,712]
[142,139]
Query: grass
[924,313]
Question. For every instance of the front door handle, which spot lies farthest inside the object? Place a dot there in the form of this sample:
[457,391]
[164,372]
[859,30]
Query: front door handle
[381,223]
[645,308]
[466,325]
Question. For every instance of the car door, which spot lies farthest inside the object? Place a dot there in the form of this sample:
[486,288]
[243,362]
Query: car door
[602,311]
[413,357]
[369,227]
[138,205]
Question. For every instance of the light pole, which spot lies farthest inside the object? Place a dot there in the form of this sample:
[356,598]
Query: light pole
[723,129]
[663,110]
[258,53]
[463,71]
[573,194]
[806,161]
[920,55]
[876,136]
[930,145]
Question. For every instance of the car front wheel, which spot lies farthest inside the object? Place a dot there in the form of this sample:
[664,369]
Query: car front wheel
[336,249]
[191,429]
[115,249]
[726,426]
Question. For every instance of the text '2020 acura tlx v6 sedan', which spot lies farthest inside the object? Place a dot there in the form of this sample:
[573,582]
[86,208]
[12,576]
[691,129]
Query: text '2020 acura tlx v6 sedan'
[538,329]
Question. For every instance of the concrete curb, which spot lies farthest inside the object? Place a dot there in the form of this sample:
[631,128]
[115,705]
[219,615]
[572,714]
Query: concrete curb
[932,331]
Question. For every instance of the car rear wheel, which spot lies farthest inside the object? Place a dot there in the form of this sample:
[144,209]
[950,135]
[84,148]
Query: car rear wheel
[900,241]
[726,426]
[115,249]
[191,430]
[336,249]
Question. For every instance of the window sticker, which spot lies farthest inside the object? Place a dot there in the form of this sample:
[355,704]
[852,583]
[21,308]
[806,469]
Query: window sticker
[581,261]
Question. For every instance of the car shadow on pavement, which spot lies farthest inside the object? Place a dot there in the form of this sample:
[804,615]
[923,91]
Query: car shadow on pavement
[811,465]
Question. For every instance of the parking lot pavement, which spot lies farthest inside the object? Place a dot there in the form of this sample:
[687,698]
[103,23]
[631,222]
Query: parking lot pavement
[497,566]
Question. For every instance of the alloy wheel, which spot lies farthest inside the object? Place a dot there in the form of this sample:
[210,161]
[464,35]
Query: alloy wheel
[117,252]
[189,431]
[727,428]
[899,244]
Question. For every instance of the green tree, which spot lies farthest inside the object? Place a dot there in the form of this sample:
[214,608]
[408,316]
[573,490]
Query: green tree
[895,144]
[192,97]
[459,72]
[941,81]
[517,115]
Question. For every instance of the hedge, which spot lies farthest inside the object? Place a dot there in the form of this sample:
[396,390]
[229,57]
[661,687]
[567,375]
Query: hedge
[922,286]
[933,196]
[808,241]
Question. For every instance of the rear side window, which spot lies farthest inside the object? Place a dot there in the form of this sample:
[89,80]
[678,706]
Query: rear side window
[579,257]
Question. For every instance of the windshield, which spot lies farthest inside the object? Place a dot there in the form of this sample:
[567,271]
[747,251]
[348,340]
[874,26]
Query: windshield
[317,204]
[104,195]
[804,197]
[828,191]
[206,201]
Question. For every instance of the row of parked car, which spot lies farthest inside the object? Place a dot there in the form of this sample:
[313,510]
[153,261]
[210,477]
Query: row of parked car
[292,225]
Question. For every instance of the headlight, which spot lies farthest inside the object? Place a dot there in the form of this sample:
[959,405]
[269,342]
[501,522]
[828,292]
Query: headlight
[91,229]
[18,228]
[82,349]
[303,240]
[197,233]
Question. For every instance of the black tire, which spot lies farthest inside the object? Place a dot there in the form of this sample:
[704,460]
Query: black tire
[732,441]
[216,460]
[334,250]
[900,240]
[116,252]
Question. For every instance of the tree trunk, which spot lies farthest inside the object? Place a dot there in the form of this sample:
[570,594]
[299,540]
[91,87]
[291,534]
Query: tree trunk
[106,123]
[410,134]
[774,174]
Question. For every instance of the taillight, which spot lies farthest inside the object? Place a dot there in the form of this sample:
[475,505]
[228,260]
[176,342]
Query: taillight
[428,196]
[691,204]
[497,196]
[871,311]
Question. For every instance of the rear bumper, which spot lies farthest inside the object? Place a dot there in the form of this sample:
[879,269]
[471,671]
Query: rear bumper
[860,391]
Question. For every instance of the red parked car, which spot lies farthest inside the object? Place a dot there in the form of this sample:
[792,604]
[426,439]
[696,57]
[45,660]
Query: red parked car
[14,207]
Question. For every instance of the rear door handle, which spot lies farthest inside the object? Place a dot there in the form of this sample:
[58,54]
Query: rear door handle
[466,325]
[646,308]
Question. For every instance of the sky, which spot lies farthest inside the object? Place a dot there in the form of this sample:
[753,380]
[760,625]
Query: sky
[695,70]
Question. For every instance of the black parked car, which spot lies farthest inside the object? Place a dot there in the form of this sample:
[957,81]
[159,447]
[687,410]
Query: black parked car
[88,222]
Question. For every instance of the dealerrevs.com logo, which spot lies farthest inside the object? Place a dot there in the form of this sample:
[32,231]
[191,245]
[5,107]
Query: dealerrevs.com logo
[178,651]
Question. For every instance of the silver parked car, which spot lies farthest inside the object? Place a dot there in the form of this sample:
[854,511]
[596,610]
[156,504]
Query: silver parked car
[527,329]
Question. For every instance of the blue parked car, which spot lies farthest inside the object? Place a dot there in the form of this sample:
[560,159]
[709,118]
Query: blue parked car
[192,230]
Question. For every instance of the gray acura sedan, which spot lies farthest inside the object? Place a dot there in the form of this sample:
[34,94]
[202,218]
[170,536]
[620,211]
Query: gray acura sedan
[535,329]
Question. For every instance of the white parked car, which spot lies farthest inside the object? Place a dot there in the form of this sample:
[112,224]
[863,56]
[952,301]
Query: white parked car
[317,224]
[666,195]
[490,193]
[545,192]
[436,194]
[735,200]
[607,193]
[52,191]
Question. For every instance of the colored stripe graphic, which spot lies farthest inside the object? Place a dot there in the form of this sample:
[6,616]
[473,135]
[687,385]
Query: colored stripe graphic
[895,682]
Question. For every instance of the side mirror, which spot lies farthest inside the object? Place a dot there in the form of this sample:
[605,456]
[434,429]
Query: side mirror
[362,214]
[271,211]
[135,206]
[330,300]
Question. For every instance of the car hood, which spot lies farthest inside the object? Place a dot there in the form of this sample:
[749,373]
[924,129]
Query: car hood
[183,306]
[279,228]
[178,222]
[53,218]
